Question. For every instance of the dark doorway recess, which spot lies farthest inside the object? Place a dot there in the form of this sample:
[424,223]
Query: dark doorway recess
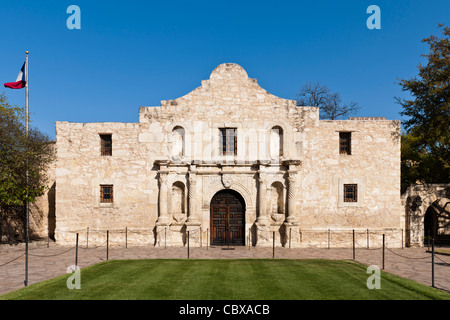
[227,218]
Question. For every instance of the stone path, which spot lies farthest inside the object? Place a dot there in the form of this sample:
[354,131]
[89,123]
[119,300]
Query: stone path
[45,263]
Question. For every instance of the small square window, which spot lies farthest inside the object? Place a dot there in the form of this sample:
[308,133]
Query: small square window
[345,142]
[350,193]
[106,193]
[106,144]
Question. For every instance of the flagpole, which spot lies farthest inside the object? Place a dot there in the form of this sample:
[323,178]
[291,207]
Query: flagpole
[27,206]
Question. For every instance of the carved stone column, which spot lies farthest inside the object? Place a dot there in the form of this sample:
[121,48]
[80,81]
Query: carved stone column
[163,213]
[292,190]
[292,222]
[193,221]
[263,216]
[192,197]
[163,220]
[263,222]
[291,198]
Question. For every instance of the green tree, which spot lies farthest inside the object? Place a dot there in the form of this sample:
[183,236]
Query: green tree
[428,111]
[19,153]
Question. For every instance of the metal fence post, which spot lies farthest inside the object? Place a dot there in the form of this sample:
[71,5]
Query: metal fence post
[367,239]
[273,251]
[329,238]
[290,236]
[353,244]
[432,262]
[76,252]
[383,250]
[188,244]
[107,244]
[402,238]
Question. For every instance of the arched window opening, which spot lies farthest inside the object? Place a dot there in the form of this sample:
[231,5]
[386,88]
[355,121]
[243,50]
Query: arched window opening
[178,203]
[178,141]
[276,198]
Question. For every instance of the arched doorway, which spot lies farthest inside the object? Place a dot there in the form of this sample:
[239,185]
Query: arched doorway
[227,216]
[430,225]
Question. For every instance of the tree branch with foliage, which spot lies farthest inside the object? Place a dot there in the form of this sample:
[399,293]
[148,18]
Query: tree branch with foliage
[19,153]
[428,112]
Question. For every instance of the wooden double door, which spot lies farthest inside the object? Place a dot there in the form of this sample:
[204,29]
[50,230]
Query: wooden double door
[227,218]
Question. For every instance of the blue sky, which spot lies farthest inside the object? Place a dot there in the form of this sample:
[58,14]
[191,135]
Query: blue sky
[129,54]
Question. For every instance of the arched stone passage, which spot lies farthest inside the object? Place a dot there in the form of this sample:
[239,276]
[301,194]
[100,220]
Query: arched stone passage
[430,224]
[437,221]
[427,210]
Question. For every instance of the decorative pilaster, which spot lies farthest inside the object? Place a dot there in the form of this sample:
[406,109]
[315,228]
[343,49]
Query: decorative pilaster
[163,218]
[192,195]
[291,199]
[263,216]
[193,222]
[263,222]
[292,191]
[292,225]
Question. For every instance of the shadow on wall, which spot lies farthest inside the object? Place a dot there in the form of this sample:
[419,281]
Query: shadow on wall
[427,214]
[51,197]
[12,224]
[13,220]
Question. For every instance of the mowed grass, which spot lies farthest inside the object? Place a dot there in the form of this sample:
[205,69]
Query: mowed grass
[224,279]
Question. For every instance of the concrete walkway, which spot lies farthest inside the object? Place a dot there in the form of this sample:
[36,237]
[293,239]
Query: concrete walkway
[45,263]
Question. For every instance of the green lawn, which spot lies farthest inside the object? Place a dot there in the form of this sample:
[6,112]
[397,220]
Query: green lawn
[250,279]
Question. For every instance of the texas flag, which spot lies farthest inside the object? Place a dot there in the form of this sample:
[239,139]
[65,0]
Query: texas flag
[20,81]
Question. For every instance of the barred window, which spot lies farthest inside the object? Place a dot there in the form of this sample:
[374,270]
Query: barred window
[106,144]
[106,193]
[350,193]
[345,142]
[228,141]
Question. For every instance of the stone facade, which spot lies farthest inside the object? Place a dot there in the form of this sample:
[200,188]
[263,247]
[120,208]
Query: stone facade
[286,165]
[424,201]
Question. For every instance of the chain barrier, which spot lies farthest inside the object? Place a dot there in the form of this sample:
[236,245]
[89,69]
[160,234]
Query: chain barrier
[406,257]
[444,262]
[95,247]
[37,255]
[325,238]
[51,255]
[4,264]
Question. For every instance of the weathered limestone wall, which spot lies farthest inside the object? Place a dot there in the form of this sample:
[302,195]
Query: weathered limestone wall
[374,165]
[42,212]
[165,191]
[228,99]
[81,170]
[416,201]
